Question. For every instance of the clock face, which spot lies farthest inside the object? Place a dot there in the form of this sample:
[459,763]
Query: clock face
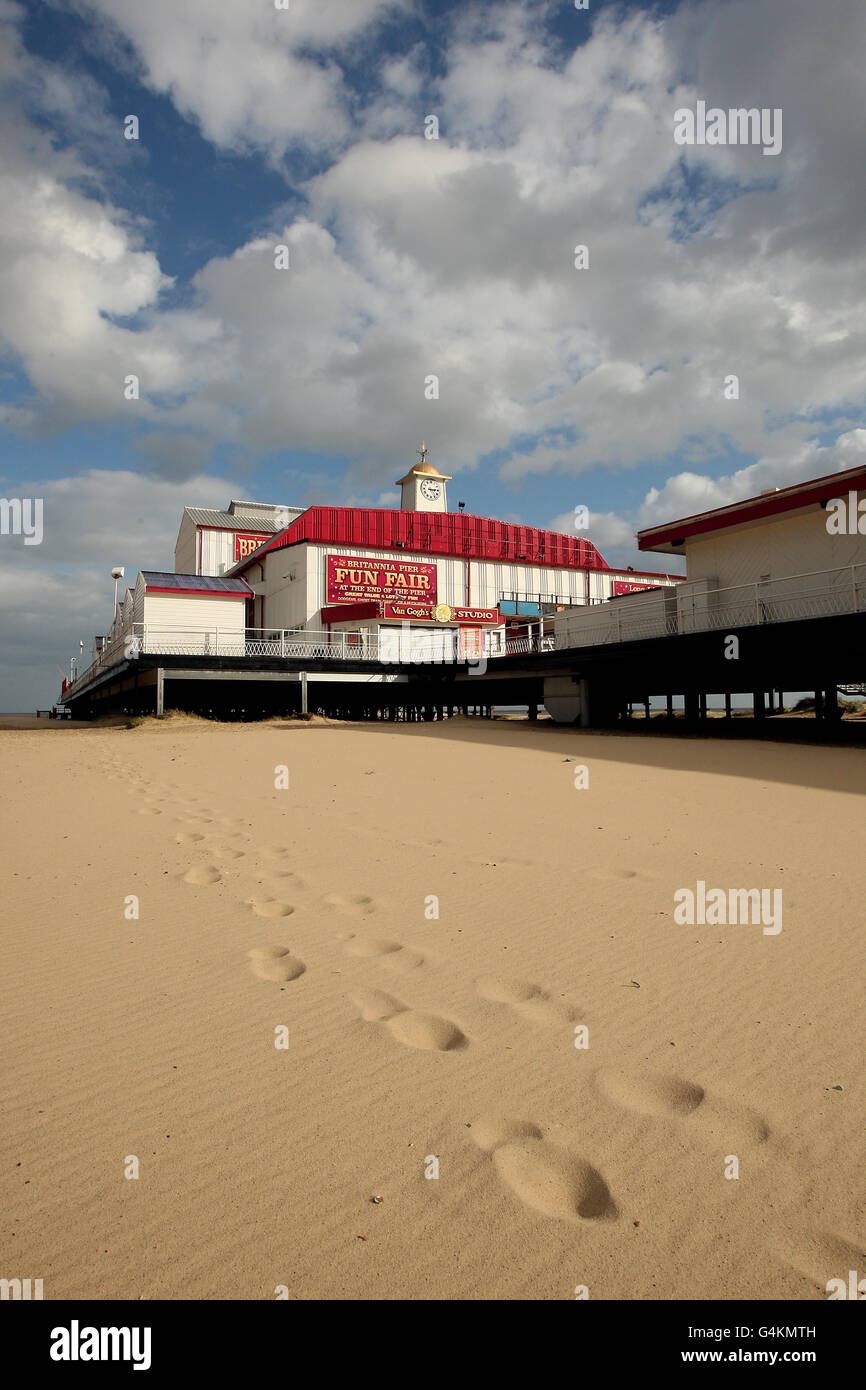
[431,491]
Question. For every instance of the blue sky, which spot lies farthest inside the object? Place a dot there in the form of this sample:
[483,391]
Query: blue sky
[411,257]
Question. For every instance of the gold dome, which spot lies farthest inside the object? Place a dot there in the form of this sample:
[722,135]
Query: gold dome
[424,469]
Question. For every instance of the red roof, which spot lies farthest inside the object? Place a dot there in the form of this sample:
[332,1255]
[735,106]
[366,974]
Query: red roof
[435,533]
[798,497]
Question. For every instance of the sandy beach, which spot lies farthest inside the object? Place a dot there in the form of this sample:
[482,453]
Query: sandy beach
[421,1024]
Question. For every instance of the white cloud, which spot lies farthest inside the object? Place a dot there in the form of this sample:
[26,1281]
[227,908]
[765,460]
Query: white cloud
[54,594]
[686,494]
[454,258]
[243,72]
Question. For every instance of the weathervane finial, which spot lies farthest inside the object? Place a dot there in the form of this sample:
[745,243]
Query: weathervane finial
[422,451]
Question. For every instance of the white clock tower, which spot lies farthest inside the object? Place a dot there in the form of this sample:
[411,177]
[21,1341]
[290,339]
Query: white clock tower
[424,487]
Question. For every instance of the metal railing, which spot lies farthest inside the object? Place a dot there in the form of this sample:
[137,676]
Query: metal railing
[515,646]
[111,655]
[271,642]
[683,608]
[693,607]
[299,644]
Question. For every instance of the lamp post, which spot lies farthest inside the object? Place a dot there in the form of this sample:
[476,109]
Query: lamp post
[117,573]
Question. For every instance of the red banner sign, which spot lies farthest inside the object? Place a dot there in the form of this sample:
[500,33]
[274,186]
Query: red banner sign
[627,586]
[476,615]
[350,578]
[245,545]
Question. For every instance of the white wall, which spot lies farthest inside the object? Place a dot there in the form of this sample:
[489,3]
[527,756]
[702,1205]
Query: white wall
[630,617]
[292,603]
[134,611]
[194,623]
[185,551]
[287,600]
[782,546]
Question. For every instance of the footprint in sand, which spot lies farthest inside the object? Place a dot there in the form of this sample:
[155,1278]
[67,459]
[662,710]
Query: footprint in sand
[226,852]
[271,907]
[528,1000]
[547,1178]
[275,963]
[660,1093]
[652,1093]
[391,953]
[148,811]
[189,837]
[202,875]
[412,1027]
[356,904]
[275,882]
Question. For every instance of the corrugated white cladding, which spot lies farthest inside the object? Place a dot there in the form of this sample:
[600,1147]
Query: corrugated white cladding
[217,551]
[294,585]
[491,583]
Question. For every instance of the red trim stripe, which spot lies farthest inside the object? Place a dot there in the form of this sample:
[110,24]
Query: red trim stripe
[788,499]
